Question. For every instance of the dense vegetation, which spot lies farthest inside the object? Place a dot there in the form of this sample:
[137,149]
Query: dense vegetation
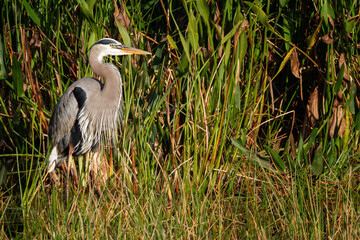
[244,123]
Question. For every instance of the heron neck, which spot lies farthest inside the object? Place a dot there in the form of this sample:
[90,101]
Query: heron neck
[113,84]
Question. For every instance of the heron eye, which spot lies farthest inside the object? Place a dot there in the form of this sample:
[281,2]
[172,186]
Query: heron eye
[111,45]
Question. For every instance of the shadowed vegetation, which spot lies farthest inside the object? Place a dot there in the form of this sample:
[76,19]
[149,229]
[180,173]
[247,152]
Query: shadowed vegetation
[244,122]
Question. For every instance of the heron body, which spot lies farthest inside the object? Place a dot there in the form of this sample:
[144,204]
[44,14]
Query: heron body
[89,109]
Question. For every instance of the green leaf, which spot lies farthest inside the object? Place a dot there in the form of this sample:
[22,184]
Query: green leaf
[91,3]
[203,10]
[350,26]
[243,46]
[317,165]
[231,33]
[312,138]
[300,151]
[352,98]
[237,96]
[276,158]
[18,81]
[261,15]
[124,34]
[283,3]
[193,34]
[339,79]
[284,61]
[87,11]
[185,45]
[345,136]
[356,124]
[262,161]
[287,33]
[311,40]
[32,13]
[227,52]
[92,40]
[3,174]
[3,73]
[290,161]
[331,158]
[171,42]
[326,12]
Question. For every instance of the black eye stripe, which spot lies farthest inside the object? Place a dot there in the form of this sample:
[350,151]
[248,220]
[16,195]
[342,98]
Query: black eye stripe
[106,41]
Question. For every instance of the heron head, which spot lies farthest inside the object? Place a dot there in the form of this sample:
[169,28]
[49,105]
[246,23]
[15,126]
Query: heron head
[109,46]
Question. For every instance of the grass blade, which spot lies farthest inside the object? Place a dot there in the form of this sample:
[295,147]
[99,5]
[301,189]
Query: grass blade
[339,79]
[284,61]
[17,78]
[265,163]
[32,13]
[276,158]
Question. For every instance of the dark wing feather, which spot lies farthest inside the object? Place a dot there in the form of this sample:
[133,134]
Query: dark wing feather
[63,119]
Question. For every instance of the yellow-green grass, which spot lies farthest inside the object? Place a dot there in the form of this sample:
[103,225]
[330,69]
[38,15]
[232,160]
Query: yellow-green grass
[244,123]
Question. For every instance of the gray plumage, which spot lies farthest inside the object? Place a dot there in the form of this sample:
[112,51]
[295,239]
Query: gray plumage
[88,110]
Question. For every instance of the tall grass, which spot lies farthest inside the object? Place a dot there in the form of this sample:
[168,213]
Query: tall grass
[244,122]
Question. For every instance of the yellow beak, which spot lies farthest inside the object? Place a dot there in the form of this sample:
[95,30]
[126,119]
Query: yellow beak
[131,50]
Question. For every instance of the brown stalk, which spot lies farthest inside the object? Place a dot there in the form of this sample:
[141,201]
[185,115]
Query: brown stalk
[133,167]
[174,135]
[34,84]
[166,14]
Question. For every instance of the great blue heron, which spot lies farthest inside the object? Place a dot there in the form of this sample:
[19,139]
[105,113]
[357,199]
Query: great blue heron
[88,109]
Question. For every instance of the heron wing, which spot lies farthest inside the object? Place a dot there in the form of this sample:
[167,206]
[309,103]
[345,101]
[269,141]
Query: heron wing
[66,111]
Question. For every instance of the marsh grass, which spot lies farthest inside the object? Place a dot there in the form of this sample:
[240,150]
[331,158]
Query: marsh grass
[244,123]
